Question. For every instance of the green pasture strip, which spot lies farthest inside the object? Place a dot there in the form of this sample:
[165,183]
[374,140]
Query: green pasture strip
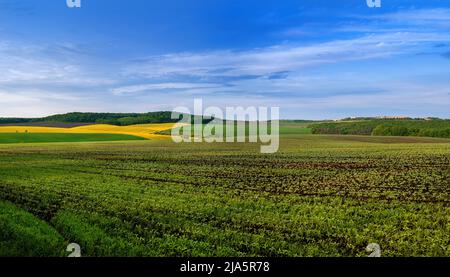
[8,138]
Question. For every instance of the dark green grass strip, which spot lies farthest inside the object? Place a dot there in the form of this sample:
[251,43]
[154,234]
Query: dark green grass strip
[22,234]
[61,137]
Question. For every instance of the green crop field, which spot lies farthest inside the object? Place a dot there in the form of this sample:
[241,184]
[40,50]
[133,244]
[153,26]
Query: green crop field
[293,130]
[61,137]
[285,128]
[22,234]
[318,196]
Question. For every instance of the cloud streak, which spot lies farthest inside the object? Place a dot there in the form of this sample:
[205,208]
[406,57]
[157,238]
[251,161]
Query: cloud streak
[127,90]
[282,58]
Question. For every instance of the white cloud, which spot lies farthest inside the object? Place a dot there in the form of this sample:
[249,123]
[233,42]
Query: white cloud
[126,90]
[266,61]
[13,98]
[436,17]
[412,20]
[28,64]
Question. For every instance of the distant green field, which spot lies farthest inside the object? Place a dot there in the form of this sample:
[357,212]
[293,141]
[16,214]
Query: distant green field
[295,128]
[286,128]
[49,137]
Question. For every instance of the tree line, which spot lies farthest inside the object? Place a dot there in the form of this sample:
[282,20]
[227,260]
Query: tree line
[120,119]
[386,127]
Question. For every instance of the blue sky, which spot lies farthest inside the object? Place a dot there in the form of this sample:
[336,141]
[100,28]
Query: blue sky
[314,59]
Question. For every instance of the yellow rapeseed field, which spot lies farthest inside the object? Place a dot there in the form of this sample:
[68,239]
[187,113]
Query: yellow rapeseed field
[142,130]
